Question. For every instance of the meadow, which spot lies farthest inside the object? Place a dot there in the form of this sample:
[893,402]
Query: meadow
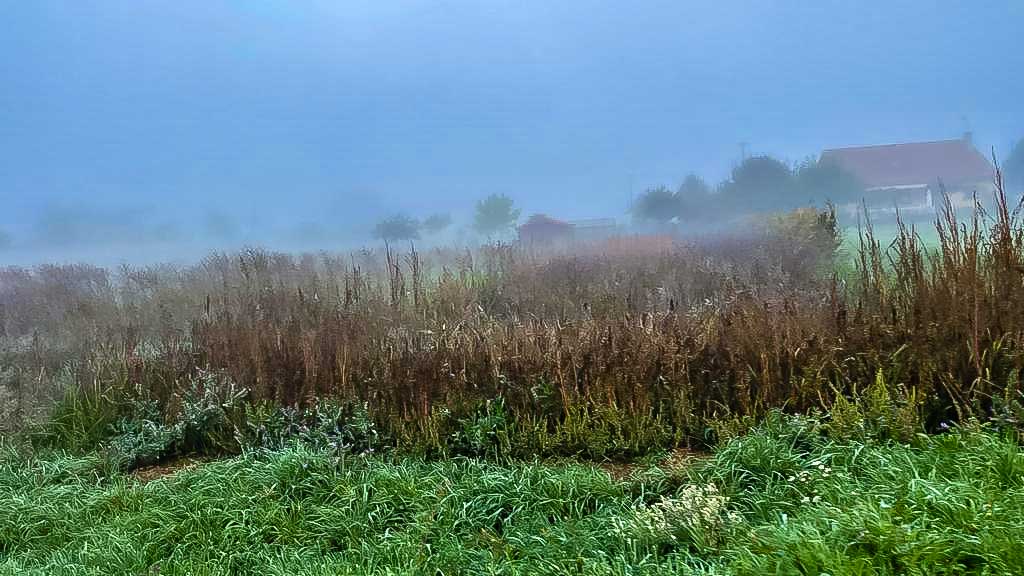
[739,404]
[785,498]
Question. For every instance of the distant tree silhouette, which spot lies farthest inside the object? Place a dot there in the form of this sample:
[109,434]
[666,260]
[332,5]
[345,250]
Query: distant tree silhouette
[436,223]
[1013,168]
[760,183]
[693,185]
[821,181]
[495,214]
[657,205]
[694,198]
[397,227]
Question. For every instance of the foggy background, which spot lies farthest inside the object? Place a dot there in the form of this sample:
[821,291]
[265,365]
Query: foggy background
[134,131]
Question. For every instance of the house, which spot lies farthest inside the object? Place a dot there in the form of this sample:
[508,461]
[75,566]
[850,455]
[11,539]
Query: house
[910,176]
[541,229]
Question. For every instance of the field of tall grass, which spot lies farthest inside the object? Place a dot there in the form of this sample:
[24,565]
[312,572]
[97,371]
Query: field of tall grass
[402,411]
[602,352]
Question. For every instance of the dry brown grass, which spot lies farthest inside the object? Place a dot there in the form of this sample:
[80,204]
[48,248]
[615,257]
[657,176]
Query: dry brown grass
[640,335]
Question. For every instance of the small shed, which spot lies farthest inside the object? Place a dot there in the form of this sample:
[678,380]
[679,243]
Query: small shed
[543,229]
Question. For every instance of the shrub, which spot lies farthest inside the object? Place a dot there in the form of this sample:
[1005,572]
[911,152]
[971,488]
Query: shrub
[809,240]
[208,414]
[140,442]
[485,432]
[324,426]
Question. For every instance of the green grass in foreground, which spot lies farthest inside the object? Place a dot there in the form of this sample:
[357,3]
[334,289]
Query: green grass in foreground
[886,233]
[782,499]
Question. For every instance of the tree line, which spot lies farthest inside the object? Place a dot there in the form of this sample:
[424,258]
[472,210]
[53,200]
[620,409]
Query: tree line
[766,184]
[493,215]
[757,184]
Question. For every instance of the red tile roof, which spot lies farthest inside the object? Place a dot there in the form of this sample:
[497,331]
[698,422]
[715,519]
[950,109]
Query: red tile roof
[954,162]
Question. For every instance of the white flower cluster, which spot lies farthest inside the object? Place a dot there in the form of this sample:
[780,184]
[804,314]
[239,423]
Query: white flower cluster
[804,479]
[696,514]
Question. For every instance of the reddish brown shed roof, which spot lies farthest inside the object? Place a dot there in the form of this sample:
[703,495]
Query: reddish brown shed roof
[543,220]
[954,162]
[543,228]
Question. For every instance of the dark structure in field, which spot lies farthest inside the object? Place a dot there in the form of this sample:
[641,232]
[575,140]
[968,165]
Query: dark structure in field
[909,176]
[543,230]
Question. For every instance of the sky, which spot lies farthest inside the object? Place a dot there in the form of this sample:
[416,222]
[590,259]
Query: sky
[146,130]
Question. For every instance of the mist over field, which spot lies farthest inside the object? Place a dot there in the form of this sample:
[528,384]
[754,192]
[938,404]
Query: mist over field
[511,287]
[153,131]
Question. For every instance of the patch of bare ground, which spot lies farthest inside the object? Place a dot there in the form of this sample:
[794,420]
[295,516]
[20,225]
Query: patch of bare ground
[157,471]
[675,460]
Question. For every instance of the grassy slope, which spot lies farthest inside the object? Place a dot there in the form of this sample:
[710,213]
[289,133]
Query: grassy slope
[886,233]
[798,503]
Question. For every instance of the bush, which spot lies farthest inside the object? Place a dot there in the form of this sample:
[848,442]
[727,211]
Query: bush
[140,442]
[324,426]
[809,240]
[485,432]
[210,407]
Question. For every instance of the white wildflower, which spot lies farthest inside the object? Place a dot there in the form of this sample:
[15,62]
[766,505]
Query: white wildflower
[695,513]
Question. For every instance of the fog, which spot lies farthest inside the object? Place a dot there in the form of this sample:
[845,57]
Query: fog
[136,131]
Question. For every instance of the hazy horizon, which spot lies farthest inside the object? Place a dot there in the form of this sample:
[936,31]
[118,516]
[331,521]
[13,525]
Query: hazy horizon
[152,130]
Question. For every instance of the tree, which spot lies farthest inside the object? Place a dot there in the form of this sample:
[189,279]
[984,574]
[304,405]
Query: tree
[694,198]
[397,227]
[761,183]
[819,180]
[1013,169]
[436,223]
[658,204]
[495,214]
[693,186]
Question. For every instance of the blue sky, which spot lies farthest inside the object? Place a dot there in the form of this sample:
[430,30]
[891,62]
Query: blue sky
[126,125]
